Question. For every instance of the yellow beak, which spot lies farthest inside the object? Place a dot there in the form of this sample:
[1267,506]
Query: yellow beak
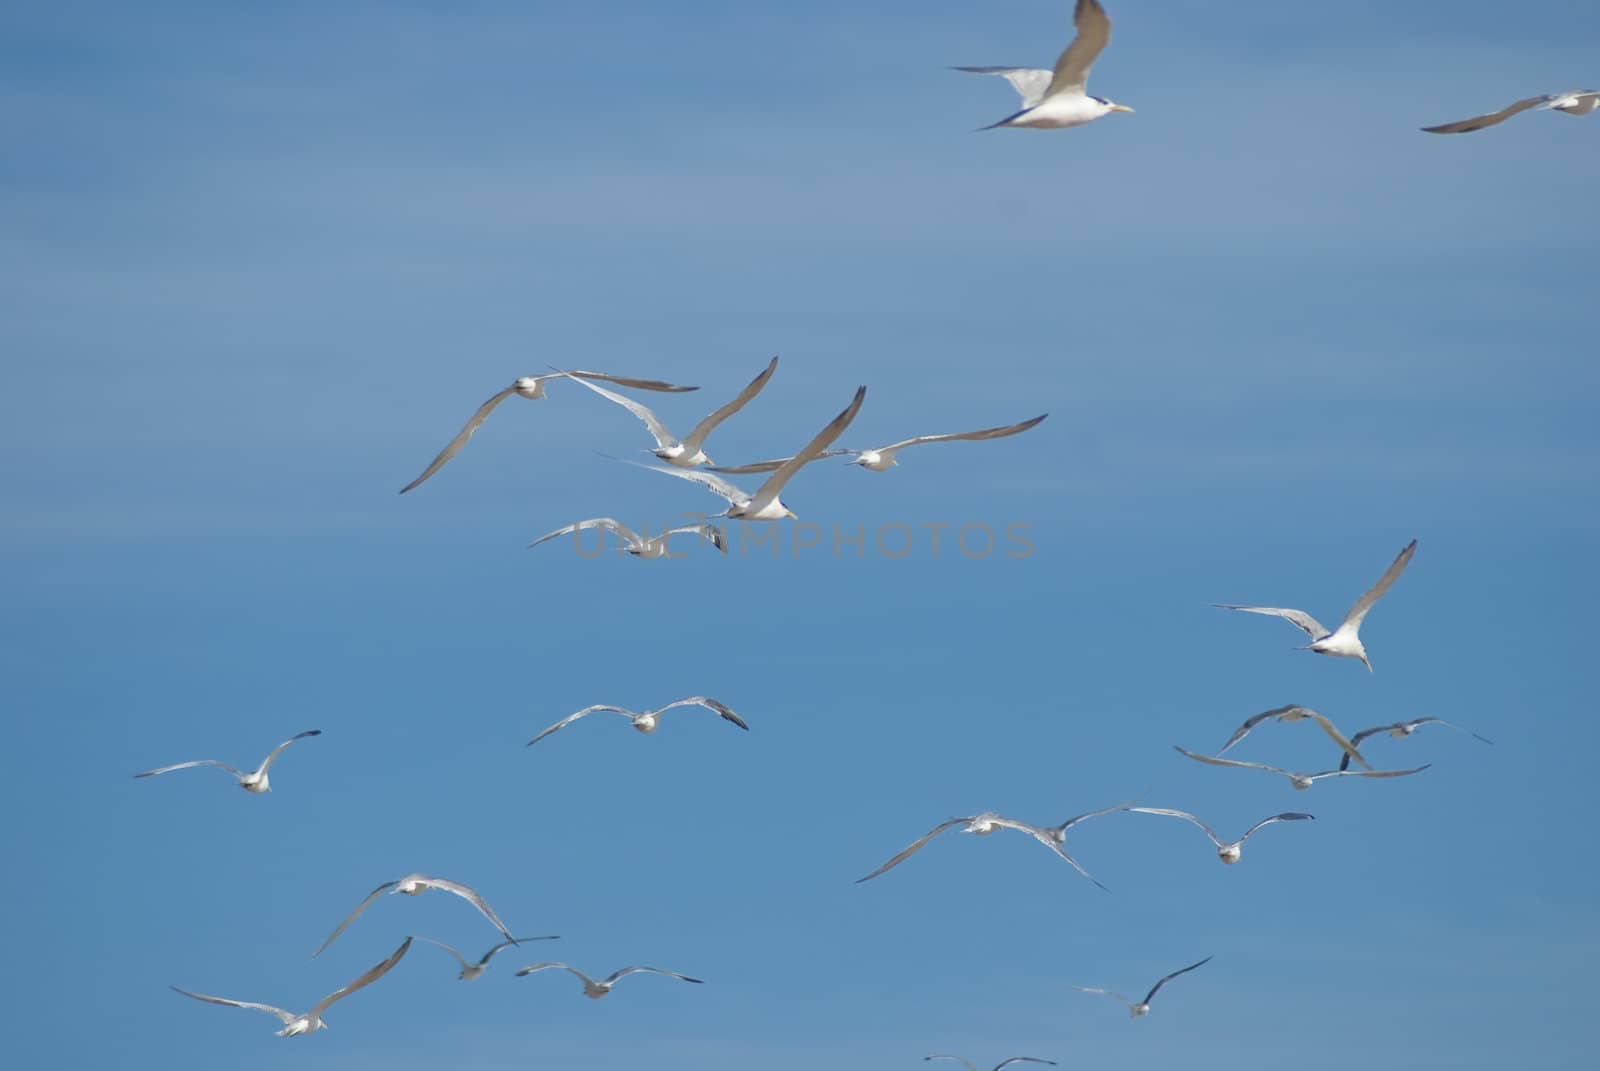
[789,513]
[1121,108]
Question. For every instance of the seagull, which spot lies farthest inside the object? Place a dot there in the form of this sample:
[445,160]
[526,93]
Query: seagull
[883,459]
[645,721]
[1228,853]
[529,387]
[415,885]
[310,1022]
[1402,729]
[765,505]
[1055,99]
[470,971]
[1142,1008]
[634,543]
[1003,1063]
[1300,780]
[1291,713]
[257,781]
[687,453]
[593,989]
[1573,102]
[1344,641]
[1052,837]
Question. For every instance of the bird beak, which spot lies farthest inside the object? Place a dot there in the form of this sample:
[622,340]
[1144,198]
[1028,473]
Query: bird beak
[789,513]
[1121,108]
[1366,663]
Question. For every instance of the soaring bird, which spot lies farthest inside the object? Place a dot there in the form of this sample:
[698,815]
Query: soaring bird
[1402,729]
[311,1021]
[689,451]
[1345,641]
[529,387]
[1059,98]
[1573,102]
[256,781]
[765,505]
[593,988]
[637,545]
[471,971]
[882,459]
[1226,851]
[1003,1063]
[1142,1008]
[1301,781]
[415,885]
[645,721]
[1293,713]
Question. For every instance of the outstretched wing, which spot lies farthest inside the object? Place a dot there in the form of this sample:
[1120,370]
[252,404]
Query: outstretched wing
[696,438]
[487,956]
[1370,773]
[553,965]
[1287,816]
[272,755]
[1023,1060]
[459,957]
[767,493]
[1183,814]
[1250,723]
[625,971]
[658,430]
[1298,618]
[570,718]
[372,975]
[1030,84]
[1185,970]
[627,534]
[709,532]
[713,483]
[772,466]
[348,919]
[1075,819]
[472,898]
[286,1016]
[1478,122]
[944,1055]
[1230,762]
[915,846]
[986,433]
[1363,604]
[453,447]
[1104,993]
[1044,837]
[636,384]
[710,704]
[186,765]
[1094,33]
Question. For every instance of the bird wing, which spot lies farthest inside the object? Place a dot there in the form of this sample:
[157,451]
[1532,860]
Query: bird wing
[459,957]
[186,765]
[547,965]
[472,898]
[348,919]
[1298,618]
[1370,773]
[570,718]
[658,430]
[1363,604]
[275,752]
[944,1055]
[1230,762]
[1478,122]
[710,704]
[768,492]
[1451,725]
[627,534]
[1105,993]
[1043,837]
[487,956]
[625,971]
[710,532]
[907,852]
[1023,1060]
[1250,723]
[1094,33]
[1029,83]
[1075,819]
[1185,970]
[626,381]
[371,975]
[1288,816]
[986,433]
[1347,746]
[454,446]
[1182,814]
[287,1016]
[715,484]
[771,466]
[696,438]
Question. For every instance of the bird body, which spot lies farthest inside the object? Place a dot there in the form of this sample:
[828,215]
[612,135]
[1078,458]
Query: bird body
[1058,98]
[1570,102]
[255,781]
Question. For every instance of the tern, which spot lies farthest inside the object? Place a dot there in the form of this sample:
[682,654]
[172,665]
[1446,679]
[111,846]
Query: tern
[637,545]
[471,971]
[645,721]
[594,989]
[311,1021]
[529,387]
[1055,99]
[1345,641]
[256,781]
[1228,853]
[1052,837]
[765,505]
[688,452]
[1402,729]
[1142,1008]
[1573,102]
[1293,713]
[1003,1063]
[415,885]
[1300,781]
[882,459]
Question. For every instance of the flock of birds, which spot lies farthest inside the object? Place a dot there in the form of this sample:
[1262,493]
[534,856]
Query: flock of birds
[1050,99]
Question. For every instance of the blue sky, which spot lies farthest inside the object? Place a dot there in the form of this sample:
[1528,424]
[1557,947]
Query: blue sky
[262,262]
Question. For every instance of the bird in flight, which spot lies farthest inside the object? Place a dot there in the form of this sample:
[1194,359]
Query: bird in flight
[882,459]
[1300,781]
[1055,99]
[1293,713]
[646,721]
[1572,102]
[593,988]
[1003,1063]
[1228,852]
[1402,729]
[416,885]
[1142,1008]
[637,545]
[471,971]
[254,781]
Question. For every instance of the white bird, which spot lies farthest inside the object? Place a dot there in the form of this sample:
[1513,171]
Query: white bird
[415,885]
[882,459]
[1293,713]
[1227,852]
[765,505]
[1345,641]
[637,545]
[469,970]
[1059,98]
[256,781]
[529,387]
[1142,1008]
[594,989]
[1573,102]
[1402,729]
[689,451]
[1052,837]
[1299,780]
[311,1021]
[1003,1063]
[646,720]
